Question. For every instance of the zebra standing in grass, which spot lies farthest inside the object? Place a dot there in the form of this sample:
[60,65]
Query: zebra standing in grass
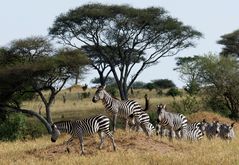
[145,124]
[193,131]
[226,131]
[115,107]
[172,121]
[79,128]
[210,129]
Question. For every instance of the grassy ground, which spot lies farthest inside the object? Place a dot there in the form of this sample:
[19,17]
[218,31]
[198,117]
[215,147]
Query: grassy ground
[132,148]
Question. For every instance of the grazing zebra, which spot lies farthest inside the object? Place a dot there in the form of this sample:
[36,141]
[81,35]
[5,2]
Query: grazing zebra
[172,121]
[79,128]
[116,107]
[193,131]
[145,124]
[210,129]
[226,131]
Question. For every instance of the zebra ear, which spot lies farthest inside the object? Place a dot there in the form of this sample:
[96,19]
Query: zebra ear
[232,124]
[104,86]
[204,120]
[164,106]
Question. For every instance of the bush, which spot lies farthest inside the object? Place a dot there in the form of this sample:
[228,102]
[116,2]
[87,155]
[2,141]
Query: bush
[173,92]
[113,90]
[187,105]
[14,127]
[18,126]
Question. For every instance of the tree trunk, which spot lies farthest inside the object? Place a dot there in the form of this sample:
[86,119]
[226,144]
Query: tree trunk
[48,113]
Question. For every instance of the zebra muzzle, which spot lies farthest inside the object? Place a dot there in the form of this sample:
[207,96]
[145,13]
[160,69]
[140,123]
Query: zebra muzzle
[53,140]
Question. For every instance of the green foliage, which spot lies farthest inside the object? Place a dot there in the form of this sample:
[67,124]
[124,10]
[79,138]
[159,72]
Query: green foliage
[14,127]
[218,105]
[111,30]
[189,69]
[150,86]
[138,85]
[187,105]
[230,44]
[159,92]
[173,92]
[220,76]
[164,83]
[113,90]
[18,126]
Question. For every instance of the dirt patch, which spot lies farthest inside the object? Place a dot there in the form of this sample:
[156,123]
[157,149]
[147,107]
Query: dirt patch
[139,143]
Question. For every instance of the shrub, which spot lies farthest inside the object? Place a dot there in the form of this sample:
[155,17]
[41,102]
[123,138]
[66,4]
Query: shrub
[173,92]
[18,126]
[14,127]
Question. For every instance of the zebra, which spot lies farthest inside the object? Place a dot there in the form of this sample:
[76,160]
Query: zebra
[145,124]
[193,131]
[79,128]
[116,107]
[210,129]
[226,131]
[172,121]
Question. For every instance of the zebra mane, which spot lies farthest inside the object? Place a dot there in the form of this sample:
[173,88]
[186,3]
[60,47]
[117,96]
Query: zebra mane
[61,122]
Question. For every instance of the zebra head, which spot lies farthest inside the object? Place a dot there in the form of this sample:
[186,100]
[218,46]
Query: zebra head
[203,125]
[55,133]
[226,131]
[160,112]
[99,94]
[216,127]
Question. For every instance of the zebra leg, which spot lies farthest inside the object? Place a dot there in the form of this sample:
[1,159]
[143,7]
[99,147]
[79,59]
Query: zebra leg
[112,139]
[114,122]
[81,145]
[171,134]
[126,124]
[67,143]
[101,135]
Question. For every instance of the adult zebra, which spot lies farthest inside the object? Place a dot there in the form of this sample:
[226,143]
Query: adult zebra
[145,124]
[116,107]
[226,131]
[172,121]
[210,129]
[79,128]
[193,131]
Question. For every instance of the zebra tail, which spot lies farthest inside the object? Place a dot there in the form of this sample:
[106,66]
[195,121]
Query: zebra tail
[146,102]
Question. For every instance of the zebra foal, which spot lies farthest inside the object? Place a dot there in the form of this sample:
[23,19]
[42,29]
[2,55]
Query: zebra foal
[79,128]
[171,121]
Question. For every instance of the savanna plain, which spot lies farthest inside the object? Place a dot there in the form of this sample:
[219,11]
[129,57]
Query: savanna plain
[132,147]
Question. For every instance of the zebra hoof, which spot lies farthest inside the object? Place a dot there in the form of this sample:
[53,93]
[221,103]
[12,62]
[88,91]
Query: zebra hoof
[68,150]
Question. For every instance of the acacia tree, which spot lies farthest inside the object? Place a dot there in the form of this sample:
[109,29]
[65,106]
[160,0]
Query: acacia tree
[230,44]
[98,63]
[189,67]
[125,37]
[220,78]
[18,78]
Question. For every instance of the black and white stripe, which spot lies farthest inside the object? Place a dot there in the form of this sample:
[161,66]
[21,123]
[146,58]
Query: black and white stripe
[193,131]
[175,123]
[116,107]
[211,130]
[145,124]
[227,131]
[79,128]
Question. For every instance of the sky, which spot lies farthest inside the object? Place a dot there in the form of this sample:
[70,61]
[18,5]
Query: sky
[213,18]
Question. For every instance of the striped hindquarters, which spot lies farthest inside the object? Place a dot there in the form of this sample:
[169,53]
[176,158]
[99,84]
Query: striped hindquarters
[93,124]
[194,132]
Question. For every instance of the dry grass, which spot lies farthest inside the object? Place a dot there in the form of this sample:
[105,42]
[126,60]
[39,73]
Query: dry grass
[132,148]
